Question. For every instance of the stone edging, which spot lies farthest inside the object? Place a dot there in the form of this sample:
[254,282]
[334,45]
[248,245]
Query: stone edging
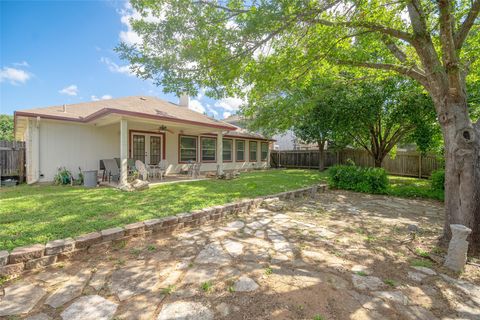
[39,256]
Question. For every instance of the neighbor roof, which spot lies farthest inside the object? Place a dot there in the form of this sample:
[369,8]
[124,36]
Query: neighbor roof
[140,106]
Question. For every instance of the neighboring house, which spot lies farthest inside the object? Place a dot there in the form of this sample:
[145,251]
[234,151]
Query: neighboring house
[142,128]
[284,141]
[288,141]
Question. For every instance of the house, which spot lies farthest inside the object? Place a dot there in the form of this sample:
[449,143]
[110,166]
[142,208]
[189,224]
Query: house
[138,127]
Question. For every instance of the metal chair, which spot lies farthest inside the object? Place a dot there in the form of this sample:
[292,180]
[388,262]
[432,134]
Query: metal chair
[112,170]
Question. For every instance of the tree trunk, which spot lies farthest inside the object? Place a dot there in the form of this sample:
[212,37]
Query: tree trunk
[462,169]
[321,155]
[378,162]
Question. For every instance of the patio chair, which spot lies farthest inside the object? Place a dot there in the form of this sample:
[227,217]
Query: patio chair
[131,166]
[195,172]
[162,168]
[112,170]
[142,169]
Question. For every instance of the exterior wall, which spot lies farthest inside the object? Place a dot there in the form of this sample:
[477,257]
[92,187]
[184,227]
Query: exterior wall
[72,145]
[172,156]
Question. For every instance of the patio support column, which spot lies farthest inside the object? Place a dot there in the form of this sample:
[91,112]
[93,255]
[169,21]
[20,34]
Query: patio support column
[123,151]
[220,153]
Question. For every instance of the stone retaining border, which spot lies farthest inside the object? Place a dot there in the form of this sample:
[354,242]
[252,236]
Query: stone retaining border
[39,256]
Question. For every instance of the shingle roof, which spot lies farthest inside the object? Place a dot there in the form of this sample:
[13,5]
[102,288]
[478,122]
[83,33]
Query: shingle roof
[142,106]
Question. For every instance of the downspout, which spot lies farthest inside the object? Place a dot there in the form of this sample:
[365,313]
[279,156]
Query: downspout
[36,156]
[38,149]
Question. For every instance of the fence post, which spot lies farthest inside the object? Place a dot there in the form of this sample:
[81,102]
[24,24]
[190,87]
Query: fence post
[420,165]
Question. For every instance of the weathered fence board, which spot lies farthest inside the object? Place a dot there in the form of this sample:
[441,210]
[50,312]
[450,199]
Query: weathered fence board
[12,159]
[410,164]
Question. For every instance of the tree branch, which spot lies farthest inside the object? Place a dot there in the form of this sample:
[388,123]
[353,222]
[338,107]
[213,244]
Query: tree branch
[399,34]
[446,34]
[218,6]
[467,24]
[411,72]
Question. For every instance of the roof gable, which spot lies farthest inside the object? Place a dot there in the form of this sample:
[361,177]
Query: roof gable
[141,106]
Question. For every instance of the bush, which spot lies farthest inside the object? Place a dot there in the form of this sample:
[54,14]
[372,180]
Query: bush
[370,180]
[438,179]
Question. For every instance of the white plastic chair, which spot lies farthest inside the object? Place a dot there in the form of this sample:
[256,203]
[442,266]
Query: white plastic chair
[162,168]
[142,169]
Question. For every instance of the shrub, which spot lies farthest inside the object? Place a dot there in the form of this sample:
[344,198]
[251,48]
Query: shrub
[370,180]
[438,179]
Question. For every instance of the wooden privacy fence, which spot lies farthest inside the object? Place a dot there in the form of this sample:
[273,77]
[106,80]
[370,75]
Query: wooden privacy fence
[410,164]
[12,159]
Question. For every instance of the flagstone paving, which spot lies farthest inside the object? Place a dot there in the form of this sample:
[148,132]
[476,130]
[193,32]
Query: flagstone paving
[341,255]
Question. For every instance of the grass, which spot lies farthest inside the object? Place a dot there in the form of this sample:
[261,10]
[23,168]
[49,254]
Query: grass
[168,290]
[207,286]
[413,188]
[421,263]
[37,214]
[390,282]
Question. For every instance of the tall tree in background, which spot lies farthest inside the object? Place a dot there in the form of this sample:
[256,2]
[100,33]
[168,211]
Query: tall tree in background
[6,127]
[380,114]
[256,48]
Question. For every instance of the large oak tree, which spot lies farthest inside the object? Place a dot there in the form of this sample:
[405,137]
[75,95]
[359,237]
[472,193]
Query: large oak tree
[238,47]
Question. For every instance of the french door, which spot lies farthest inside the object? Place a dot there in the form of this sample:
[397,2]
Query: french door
[146,147]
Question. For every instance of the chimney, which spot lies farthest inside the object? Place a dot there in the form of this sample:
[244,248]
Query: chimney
[64,109]
[184,100]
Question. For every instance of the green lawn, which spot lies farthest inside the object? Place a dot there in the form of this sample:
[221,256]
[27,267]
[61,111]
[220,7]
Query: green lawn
[413,188]
[37,214]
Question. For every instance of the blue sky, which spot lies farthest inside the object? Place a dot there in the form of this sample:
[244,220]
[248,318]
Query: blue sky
[56,52]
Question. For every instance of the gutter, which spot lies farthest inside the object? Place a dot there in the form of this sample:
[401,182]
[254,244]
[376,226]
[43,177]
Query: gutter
[106,111]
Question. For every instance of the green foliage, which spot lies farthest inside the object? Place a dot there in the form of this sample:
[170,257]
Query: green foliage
[422,253]
[370,180]
[6,127]
[421,263]
[168,290]
[392,283]
[63,176]
[207,286]
[438,180]
[407,187]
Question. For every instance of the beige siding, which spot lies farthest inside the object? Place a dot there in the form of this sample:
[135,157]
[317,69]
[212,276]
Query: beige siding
[72,145]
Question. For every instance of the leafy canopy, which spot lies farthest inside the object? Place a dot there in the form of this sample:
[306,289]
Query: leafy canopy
[6,127]
[257,48]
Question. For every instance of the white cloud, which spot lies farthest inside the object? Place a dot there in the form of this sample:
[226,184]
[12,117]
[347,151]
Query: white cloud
[113,67]
[21,64]
[229,104]
[14,76]
[129,36]
[211,110]
[104,97]
[197,106]
[201,94]
[71,90]
[226,114]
